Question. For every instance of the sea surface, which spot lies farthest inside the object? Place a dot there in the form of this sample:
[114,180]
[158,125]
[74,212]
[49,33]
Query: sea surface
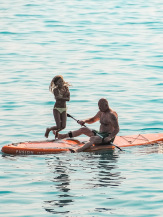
[110,49]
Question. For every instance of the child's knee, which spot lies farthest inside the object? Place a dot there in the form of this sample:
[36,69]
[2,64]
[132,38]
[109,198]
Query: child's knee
[63,126]
[58,126]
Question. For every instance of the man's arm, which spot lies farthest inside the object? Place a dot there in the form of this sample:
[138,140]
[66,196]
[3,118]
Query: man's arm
[91,120]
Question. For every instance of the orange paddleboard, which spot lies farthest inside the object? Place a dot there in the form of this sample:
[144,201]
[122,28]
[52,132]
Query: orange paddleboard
[59,146]
[140,139]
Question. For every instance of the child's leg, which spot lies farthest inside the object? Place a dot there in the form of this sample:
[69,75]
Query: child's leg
[58,123]
[57,117]
[63,120]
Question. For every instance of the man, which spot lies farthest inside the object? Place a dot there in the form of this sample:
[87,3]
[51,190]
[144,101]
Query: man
[109,127]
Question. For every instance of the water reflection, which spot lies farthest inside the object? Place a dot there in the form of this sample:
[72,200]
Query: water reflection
[160,147]
[148,149]
[76,177]
[61,181]
[109,175]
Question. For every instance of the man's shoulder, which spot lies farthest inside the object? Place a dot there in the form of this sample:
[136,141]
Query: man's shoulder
[113,113]
[98,114]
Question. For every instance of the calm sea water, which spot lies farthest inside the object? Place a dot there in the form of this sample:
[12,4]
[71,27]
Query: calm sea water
[110,49]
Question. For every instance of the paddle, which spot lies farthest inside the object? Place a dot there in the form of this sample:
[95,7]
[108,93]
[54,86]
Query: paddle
[70,116]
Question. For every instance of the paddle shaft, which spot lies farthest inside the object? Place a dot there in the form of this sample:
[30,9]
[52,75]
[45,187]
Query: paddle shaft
[68,115]
[83,125]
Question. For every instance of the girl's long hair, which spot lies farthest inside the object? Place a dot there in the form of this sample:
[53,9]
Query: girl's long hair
[53,85]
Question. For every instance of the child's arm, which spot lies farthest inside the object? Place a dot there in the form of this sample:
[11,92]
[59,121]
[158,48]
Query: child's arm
[57,95]
[65,96]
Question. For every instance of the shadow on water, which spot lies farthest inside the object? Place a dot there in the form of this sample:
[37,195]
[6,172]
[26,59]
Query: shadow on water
[78,175]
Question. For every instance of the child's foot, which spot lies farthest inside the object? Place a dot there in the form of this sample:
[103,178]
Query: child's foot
[55,132]
[47,132]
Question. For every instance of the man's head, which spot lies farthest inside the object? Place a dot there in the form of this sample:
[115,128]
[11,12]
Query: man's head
[103,105]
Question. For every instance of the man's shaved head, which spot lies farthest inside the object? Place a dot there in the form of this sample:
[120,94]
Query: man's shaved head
[102,100]
[103,104]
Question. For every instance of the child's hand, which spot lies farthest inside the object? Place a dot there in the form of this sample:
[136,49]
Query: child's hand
[60,96]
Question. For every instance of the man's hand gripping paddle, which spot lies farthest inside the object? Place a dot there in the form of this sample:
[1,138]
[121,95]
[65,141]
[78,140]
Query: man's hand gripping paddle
[68,115]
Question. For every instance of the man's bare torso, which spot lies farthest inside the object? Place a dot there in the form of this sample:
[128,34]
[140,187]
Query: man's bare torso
[107,120]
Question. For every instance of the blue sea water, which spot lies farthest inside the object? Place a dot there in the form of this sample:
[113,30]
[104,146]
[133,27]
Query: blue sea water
[110,49]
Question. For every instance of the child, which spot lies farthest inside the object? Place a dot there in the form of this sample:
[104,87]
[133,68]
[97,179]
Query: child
[61,93]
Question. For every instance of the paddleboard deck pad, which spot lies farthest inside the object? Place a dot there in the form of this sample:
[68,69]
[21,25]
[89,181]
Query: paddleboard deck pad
[65,145]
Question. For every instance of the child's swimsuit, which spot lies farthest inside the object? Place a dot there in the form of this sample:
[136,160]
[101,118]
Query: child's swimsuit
[61,109]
